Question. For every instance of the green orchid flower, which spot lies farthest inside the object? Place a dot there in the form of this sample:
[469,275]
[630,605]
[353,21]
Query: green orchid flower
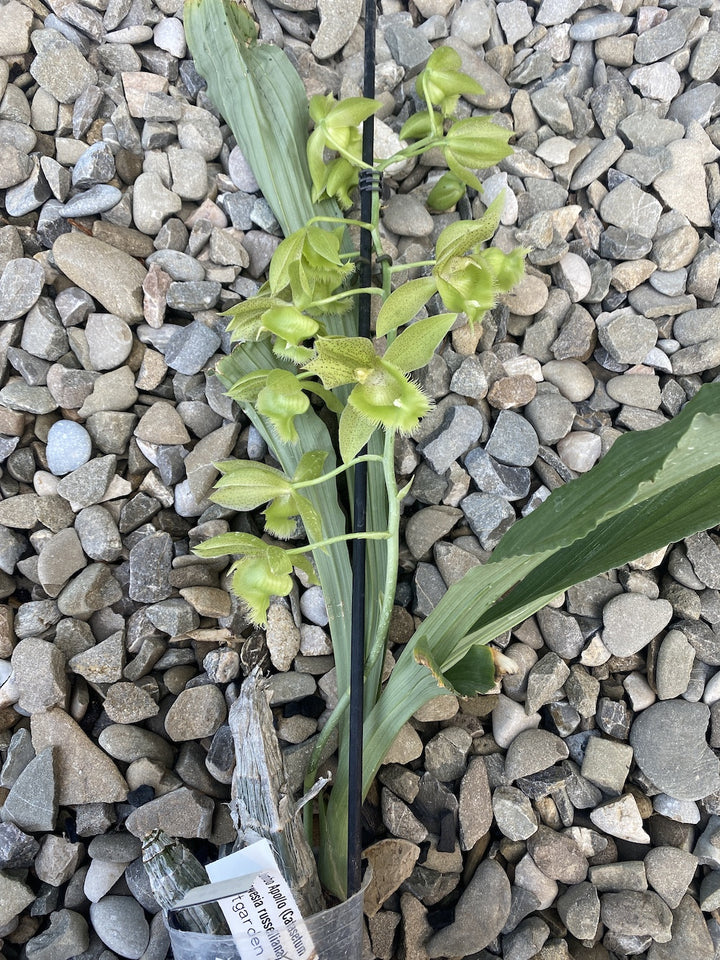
[442,82]
[263,570]
[245,322]
[472,284]
[337,129]
[290,327]
[446,192]
[307,266]
[474,144]
[383,395]
[282,399]
[470,279]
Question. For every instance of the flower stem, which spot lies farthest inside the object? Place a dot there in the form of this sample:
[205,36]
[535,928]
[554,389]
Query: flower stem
[399,267]
[368,458]
[344,296]
[343,220]
[420,146]
[344,538]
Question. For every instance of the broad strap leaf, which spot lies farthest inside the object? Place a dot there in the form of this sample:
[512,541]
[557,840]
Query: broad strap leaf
[472,675]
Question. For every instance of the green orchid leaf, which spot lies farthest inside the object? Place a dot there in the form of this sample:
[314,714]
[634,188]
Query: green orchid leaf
[248,485]
[424,657]
[388,399]
[354,432]
[231,544]
[475,673]
[341,360]
[414,347]
[472,675]
[310,466]
[463,235]
[446,192]
[404,303]
[261,96]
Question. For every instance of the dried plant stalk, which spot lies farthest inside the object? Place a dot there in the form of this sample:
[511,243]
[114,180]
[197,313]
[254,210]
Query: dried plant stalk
[173,871]
[261,803]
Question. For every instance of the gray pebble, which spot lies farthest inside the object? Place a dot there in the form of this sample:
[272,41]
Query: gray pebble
[513,813]
[189,349]
[92,589]
[193,296]
[513,441]
[59,67]
[150,561]
[121,925]
[670,748]
[480,914]
[68,447]
[20,287]
[31,803]
[489,516]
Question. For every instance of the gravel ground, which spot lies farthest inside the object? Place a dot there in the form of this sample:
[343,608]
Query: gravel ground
[575,812]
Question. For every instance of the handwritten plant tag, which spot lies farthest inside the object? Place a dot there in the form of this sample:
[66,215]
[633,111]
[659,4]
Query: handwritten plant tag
[264,919]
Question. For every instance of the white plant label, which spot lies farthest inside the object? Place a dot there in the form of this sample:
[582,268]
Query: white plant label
[264,920]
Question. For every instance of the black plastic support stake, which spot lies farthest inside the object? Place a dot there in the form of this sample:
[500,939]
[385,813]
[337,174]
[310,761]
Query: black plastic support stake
[357,645]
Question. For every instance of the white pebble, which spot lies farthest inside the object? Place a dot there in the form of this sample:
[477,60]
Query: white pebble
[580,450]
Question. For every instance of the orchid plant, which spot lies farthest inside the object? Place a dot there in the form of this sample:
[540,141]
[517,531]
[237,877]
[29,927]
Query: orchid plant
[298,351]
